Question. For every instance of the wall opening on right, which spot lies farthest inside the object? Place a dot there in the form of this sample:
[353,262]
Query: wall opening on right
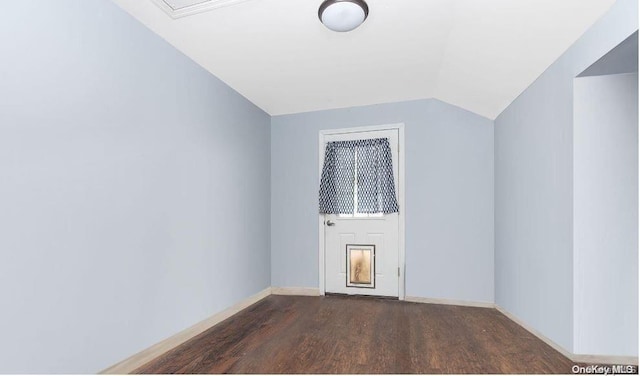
[605,204]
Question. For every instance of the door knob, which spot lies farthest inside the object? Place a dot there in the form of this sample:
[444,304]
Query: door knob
[329,223]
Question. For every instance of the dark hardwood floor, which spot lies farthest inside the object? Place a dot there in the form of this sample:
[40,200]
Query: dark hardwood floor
[334,334]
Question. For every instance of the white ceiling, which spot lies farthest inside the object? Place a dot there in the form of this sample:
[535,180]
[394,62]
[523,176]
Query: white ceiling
[476,54]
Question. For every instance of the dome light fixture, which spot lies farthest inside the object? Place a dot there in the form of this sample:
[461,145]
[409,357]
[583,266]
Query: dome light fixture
[343,15]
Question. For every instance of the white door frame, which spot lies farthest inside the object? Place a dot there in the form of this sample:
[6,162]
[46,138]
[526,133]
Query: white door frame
[401,201]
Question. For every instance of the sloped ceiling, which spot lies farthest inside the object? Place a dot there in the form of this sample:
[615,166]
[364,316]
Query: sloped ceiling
[475,54]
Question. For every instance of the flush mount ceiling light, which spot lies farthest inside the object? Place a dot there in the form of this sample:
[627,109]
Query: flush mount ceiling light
[343,15]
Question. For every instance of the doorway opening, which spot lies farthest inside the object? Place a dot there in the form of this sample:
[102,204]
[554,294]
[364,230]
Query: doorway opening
[605,204]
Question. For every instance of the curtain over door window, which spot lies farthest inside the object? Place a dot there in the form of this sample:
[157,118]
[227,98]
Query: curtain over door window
[357,177]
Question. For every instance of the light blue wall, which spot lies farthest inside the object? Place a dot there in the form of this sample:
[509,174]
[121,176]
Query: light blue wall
[449,196]
[533,185]
[134,189]
[622,59]
[605,207]
[134,183]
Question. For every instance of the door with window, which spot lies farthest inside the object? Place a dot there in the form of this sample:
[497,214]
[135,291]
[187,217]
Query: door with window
[361,242]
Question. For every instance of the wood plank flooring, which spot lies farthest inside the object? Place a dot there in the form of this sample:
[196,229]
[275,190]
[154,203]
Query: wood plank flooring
[335,334]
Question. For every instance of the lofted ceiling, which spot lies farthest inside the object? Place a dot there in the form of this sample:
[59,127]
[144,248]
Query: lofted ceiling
[475,54]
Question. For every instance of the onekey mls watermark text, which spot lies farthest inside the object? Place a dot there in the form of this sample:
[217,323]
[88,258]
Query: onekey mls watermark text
[596,369]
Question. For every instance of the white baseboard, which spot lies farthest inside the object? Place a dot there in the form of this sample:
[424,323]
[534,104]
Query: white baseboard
[143,357]
[535,332]
[605,359]
[465,303]
[133,362]
[576,358]
[303,291]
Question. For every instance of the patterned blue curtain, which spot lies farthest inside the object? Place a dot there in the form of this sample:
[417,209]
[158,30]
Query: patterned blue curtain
[367,162]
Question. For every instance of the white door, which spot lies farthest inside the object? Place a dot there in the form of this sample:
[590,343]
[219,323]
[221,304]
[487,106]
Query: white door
[362,250]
